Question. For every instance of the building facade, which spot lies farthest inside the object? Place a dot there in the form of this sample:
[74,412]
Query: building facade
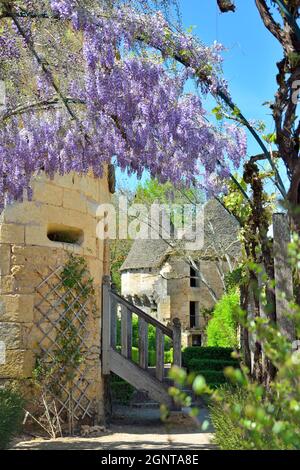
[37,238]
[168,283]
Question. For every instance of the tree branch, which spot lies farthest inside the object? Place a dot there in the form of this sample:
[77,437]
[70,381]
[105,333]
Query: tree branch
[225,6]
[179,57]
[38,105]
[269,21]
[43,64]
[289,17]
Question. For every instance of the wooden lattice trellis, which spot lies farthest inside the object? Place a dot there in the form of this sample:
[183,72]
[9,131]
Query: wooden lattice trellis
[56,304]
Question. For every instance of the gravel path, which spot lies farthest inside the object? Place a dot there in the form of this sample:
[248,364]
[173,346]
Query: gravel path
[134,429]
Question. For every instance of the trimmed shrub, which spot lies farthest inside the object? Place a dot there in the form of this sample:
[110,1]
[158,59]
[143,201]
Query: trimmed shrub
[222,328]
[121,391]
[214,378]
[135,335]
[11,416]
[151,356]
[200,352]
[135,354]
[211,364]
[169,356]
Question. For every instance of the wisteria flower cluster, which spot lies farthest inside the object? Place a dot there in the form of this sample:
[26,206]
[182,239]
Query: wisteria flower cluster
[122,103]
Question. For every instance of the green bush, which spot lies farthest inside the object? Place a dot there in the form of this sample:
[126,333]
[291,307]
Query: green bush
[228,434]
[200,352]
[211,364]
[135,335]
[11,415]
[222,328]
[257,415]
[169,356]
[214,378]
[135,355]
[121,391]
[151,356]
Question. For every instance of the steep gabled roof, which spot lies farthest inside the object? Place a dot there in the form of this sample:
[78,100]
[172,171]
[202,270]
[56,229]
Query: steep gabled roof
[221,231]
[220,237]
[146,254]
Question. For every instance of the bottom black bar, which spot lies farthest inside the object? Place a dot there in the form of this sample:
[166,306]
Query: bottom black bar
[133,459]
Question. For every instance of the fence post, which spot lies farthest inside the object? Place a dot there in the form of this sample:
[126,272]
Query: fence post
[126,332]
[143,343]
[283,274]
[113,319]
[177,342]
[160,356]
[106,326]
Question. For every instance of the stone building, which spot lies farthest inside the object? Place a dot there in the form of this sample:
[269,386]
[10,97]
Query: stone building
[168,283]
[36,239]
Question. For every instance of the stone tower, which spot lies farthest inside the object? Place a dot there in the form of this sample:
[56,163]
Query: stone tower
[36,238]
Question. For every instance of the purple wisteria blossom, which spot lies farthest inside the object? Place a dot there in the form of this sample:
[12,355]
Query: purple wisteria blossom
[129,107]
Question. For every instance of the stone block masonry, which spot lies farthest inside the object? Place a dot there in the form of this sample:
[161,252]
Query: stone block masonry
[29,252]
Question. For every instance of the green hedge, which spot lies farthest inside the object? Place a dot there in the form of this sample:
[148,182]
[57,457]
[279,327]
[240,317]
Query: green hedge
[214,378]
[151,356]
[121,391]
[135,335]
[201,352]
[168,357]
[11,415]
[222,328]
[211,364]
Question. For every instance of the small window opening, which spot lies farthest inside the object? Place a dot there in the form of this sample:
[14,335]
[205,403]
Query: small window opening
[196,340]
[194,277]
[194,315]
[64,234]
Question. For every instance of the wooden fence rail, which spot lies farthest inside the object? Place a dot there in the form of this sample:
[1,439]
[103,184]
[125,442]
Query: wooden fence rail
[116,308]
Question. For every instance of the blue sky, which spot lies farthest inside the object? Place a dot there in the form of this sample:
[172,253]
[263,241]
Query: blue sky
[249,61]
[251,55]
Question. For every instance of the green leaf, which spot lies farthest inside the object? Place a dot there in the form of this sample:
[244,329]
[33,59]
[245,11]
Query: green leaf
[199,385]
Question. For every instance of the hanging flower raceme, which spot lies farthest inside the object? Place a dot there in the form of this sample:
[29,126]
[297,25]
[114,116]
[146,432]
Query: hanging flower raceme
[118,104]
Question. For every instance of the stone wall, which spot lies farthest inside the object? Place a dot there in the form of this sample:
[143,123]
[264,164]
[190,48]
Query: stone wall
[139,282]
[181,294]
[65,205]
[170,284]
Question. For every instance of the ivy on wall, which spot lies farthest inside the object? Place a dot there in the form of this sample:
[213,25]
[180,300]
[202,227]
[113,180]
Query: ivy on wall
[57,369]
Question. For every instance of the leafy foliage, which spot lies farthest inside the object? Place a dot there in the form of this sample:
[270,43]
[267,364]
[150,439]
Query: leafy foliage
[68,355]
[254,415]
[168,356]
[222,328]
[11,415]
[209,353]
[211,364]
[135,335]
[165,193]
[228,434]
[78,93]
[122,391]
[213,378]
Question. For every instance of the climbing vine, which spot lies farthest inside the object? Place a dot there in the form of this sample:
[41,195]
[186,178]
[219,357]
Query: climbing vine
[57,368]
[255,218]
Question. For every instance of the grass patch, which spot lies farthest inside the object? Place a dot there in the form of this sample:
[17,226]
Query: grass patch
[11,416]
